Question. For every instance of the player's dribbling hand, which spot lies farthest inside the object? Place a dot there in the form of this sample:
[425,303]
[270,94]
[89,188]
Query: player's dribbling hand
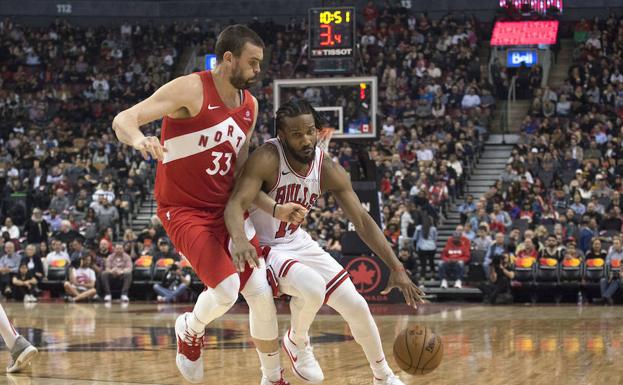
[399,279]
[290,212]
[150,146]
[243,252]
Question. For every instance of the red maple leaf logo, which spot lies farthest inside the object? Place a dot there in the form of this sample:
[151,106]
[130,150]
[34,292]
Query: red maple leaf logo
[362,275]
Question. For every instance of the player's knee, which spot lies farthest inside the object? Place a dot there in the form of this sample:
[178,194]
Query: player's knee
[349,302]
[226,292]
[314,293]
[262,315]
[262,304]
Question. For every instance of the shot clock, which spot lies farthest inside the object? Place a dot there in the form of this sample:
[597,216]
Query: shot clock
[332,32]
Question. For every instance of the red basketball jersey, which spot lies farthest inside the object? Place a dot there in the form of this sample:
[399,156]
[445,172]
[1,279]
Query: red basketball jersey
[198,167]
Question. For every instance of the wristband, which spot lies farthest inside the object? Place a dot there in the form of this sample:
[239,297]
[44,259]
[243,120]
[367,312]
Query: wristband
[275,208]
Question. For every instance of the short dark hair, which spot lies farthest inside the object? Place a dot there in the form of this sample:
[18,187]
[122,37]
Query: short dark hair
[233,38]
[295,108]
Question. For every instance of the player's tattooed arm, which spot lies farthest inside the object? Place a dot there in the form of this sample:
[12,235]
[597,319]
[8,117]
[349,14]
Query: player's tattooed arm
[337,181]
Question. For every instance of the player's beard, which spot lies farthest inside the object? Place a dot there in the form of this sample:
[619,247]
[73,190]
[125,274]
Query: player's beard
[238,81]
[301,157]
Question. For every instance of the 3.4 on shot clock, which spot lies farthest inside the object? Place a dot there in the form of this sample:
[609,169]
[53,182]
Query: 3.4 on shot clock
[332,32]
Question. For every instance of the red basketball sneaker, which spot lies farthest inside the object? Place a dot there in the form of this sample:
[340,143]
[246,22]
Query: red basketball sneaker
[189,344]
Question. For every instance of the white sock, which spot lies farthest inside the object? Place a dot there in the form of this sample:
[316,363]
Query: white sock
[271,365]
[8,332]
[213,303]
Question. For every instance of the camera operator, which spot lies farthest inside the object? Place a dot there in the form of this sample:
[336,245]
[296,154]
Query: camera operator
[173,286]
[498,290]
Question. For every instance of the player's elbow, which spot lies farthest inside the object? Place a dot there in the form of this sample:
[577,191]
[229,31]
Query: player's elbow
[362,221]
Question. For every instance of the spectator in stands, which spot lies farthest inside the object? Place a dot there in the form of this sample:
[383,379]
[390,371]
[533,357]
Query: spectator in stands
[471,99]
[497,248]
[33,261]
[596,251]
[82,281]
[483,240]
[9,263]
[54,220]
[498,291]
[165,251]
[66,234]
[24,284]
[528,250]
[107,214]
[455,255]
[36,228]
[610,284]
[10,227]
[60,203]
[551,249]
[56,254]
[467,208]
[587,232]
[425,239]
[174,285]
[77,252]
[118,269]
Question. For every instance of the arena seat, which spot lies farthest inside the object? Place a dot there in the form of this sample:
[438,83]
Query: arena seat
[161,267]
[571,270]
[547,270]
[594,270]
[143,269]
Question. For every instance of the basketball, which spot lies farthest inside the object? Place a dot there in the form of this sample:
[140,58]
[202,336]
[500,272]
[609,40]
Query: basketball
[418,350]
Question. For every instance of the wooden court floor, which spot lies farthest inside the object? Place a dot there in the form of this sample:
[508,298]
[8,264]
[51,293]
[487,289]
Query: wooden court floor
[535,345]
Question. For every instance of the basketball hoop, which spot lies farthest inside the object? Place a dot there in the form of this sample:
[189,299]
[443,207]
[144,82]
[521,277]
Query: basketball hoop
[324,137]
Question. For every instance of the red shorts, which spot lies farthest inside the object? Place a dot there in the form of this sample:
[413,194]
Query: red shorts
[203,239]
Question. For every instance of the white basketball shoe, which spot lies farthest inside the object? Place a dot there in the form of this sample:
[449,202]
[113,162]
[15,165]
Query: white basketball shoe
[304,364]
[189,345]
[22,353]
[391,379]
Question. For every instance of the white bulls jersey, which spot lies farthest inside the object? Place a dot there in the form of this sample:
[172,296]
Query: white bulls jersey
[290,187]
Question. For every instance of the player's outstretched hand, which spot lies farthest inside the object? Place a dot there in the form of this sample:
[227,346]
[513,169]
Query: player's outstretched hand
[290,212]
[400,279]
[150,146]
[243,252]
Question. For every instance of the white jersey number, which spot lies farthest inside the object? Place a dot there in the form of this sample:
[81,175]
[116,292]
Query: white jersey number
[216,167]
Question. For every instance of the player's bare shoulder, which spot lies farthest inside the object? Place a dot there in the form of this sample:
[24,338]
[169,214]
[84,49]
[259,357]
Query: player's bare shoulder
[333,176]
[188,89]
[264,162]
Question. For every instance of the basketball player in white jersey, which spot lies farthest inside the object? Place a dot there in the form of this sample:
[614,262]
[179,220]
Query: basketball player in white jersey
[290,168]
[22,352]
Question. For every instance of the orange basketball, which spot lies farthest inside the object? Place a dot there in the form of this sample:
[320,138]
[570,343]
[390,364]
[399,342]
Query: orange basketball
[418,350]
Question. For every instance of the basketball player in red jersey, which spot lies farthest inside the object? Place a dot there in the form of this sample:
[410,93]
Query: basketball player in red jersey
[291,168]
[208,121]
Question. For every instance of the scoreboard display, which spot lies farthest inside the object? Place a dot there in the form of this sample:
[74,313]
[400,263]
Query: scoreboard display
[332,32]
[507,33]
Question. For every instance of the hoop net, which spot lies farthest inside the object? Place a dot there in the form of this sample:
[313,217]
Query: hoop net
[324,137]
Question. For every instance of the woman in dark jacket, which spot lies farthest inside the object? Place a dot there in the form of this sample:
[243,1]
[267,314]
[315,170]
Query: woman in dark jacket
[31,259]
[36,228]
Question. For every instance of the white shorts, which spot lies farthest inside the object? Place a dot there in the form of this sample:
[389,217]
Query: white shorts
[281,257]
